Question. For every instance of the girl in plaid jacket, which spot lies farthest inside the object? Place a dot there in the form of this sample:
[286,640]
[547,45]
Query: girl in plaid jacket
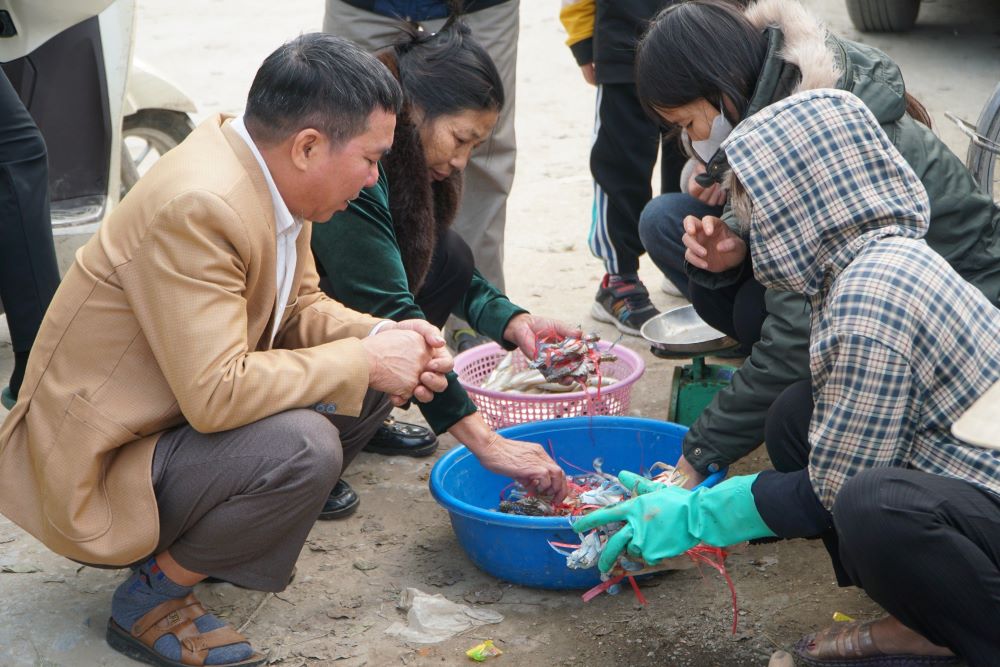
[900,347]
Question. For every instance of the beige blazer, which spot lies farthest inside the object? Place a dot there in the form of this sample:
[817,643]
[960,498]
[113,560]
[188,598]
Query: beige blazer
[165,317]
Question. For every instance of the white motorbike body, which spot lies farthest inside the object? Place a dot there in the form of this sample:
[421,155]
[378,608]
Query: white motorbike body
[140,103]
[38,21]
[148,89]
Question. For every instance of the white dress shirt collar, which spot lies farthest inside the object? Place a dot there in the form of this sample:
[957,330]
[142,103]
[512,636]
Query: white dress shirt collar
[286,229]
[283,218]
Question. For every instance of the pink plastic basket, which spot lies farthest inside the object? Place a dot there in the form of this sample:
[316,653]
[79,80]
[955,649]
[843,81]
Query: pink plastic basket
[501,409]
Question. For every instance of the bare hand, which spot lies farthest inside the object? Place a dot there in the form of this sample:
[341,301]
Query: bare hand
[526,462]
[433,379]
[589,73]
[711,245]
[397,358]
[694,478]
[713,195]
[524,330]
[432,336]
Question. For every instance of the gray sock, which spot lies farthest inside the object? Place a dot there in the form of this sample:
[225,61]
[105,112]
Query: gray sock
[148,587]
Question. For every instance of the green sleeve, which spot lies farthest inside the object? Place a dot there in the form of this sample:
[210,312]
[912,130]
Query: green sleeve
[487,309]
[357,251]
[732,425]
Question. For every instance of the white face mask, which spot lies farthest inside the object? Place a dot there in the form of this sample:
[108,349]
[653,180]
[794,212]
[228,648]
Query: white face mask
[705,149]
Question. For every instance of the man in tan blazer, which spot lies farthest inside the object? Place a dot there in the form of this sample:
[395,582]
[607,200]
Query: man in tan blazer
[192,396]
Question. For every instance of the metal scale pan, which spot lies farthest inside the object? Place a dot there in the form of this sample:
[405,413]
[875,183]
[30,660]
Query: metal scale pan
[680,334]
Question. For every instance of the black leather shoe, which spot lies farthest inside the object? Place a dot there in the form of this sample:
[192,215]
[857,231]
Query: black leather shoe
[342,503]
[395,438]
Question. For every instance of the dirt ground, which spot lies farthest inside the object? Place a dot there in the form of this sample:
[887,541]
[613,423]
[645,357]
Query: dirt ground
[351,573]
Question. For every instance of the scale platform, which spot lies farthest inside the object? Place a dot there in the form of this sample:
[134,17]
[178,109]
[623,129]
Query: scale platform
[680,334]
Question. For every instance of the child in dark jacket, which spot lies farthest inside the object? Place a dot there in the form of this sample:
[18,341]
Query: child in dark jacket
[602,36]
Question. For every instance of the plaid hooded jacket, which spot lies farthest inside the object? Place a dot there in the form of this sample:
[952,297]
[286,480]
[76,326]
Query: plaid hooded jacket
[900,344]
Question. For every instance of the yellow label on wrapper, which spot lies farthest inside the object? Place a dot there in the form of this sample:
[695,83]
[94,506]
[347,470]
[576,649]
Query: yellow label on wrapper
[483,651]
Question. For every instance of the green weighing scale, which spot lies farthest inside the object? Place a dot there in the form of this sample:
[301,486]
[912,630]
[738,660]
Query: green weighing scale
[680,334]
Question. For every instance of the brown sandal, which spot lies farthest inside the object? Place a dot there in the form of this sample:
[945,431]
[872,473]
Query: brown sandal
[851,645]
[175,617]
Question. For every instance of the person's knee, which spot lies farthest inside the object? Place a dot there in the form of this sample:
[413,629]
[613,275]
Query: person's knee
[776,428]
[650,219]
[321,451]
[35,144]
[711,307]
[310,444]
[749,312]
[26,148]
[866,526]
[786,427]
[661,225]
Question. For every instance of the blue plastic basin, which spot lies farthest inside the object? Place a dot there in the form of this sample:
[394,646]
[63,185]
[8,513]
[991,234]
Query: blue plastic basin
[515,548]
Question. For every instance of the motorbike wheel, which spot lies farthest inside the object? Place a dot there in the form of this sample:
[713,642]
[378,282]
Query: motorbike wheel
[883,15]
[983,162]
[146,136]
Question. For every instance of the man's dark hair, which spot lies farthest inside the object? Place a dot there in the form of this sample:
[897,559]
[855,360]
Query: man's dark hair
[699,49]
[319,81]
[448,72]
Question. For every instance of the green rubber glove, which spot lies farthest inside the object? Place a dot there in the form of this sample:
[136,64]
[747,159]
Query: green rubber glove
[637,484]
[665,521]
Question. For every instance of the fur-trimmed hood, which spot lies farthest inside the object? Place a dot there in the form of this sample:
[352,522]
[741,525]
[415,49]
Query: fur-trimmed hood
[822,60]
[805,41]
[421,209]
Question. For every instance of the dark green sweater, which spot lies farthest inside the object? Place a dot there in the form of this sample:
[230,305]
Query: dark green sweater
[358,251]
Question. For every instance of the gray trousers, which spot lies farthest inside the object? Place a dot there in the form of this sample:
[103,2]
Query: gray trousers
[238,505]
[490,173]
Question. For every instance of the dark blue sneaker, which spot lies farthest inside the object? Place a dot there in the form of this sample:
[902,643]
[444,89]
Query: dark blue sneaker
[623,300]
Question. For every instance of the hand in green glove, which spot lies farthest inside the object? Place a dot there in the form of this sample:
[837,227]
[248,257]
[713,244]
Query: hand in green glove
[665,521]
[639,485]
